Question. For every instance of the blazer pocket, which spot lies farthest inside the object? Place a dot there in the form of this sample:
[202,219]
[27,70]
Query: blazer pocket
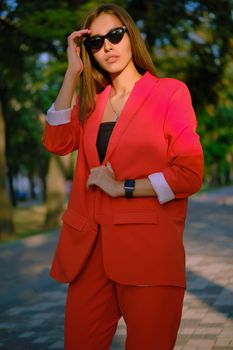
[75,220]
[136,218]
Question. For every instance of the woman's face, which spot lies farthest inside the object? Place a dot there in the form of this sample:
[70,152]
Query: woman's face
[113,58]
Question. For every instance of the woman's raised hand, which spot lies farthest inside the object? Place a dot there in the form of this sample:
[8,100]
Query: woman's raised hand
[74,69]
[75,64]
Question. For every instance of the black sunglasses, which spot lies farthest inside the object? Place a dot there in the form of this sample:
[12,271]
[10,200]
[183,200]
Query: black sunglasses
[96,42]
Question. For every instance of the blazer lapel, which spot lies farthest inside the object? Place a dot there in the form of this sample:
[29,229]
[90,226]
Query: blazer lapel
[135,101]
[91,129]
[140,92]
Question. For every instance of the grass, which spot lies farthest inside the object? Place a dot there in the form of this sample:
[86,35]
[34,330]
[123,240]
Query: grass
[208,188]
[28,221]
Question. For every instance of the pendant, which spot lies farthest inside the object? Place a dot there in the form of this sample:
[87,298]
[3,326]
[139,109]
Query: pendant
[117,115]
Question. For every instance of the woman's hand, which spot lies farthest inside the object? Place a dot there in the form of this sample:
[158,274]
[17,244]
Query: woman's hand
[104,178]
[75,64]
[74,69]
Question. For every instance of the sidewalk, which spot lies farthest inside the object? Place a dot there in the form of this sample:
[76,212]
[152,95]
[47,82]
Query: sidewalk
[32,304]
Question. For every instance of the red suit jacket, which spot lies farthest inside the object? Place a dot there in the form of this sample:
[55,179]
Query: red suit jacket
[141,238]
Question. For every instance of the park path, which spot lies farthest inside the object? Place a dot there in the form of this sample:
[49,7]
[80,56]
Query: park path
[32,304]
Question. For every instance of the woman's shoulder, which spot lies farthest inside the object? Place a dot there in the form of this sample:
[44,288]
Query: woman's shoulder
[172,83]
[166,84]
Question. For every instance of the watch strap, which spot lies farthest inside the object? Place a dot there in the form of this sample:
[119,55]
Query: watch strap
[129,186]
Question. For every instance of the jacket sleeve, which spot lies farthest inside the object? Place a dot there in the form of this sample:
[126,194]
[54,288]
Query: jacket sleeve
[62,131]
[185,156]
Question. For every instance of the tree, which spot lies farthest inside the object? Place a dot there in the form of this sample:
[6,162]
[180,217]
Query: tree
[193,41]
[32,65]
[6,215]
[190,40]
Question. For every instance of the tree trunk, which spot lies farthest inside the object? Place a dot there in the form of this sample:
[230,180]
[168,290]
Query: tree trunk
[32,186]
[11,187]
[44,186]
[6,212]
[56,192]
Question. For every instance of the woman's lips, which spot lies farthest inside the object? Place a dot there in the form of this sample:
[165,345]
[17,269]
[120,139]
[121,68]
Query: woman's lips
[112,59]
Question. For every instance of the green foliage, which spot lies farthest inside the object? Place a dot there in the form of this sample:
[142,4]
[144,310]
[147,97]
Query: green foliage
[189,40]
[51,24]
[193,41]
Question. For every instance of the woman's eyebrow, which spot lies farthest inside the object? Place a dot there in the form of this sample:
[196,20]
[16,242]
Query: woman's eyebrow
[115,27]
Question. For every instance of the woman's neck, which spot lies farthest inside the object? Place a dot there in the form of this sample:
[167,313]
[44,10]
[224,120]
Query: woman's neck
[123,82]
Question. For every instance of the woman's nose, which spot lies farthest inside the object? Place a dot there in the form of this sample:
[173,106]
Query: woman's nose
[107,45]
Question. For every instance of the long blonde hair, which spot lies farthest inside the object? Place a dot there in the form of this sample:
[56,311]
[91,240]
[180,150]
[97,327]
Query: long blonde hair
[93,78]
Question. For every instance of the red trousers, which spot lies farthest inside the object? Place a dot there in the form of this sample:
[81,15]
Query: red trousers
[95,303]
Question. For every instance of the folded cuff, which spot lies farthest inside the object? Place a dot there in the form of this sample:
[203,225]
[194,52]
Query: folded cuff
[54,117]
[161,187]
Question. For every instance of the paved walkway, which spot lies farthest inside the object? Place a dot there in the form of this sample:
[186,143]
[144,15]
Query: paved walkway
[32,304]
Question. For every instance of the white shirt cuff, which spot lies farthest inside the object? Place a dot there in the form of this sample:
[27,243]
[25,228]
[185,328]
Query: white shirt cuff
[54,117]
[161,187]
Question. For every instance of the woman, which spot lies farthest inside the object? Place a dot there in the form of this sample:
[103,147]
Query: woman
[139,159]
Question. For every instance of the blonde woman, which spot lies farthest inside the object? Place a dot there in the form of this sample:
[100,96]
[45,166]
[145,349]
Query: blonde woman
[139,160]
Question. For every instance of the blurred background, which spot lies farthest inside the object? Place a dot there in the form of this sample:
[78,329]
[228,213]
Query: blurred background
[188,40]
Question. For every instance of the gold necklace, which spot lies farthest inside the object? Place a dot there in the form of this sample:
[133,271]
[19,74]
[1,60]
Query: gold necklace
[117,114]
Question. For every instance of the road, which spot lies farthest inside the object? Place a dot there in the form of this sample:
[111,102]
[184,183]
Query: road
[32,304]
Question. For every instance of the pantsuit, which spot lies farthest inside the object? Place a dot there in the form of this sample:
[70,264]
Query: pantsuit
[95,303]
[110,249]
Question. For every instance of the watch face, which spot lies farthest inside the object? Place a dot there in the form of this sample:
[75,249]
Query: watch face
[129,188]
[129,183]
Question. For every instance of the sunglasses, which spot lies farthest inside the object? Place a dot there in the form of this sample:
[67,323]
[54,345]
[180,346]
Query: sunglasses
[97,41]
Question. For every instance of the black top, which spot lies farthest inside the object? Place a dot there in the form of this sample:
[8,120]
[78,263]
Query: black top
[104,134]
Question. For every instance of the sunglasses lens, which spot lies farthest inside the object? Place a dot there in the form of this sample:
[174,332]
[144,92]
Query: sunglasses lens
[96,42]
[116,35]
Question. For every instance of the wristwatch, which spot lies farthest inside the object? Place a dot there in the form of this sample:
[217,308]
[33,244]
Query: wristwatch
[129,186]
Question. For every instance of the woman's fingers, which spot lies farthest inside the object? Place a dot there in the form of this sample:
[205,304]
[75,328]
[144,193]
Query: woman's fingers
[75,36]
[75,64]
[109,167]
[104,178]
[97,175]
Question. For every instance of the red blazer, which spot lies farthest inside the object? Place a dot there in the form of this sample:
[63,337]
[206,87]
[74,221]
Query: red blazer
[142,239]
